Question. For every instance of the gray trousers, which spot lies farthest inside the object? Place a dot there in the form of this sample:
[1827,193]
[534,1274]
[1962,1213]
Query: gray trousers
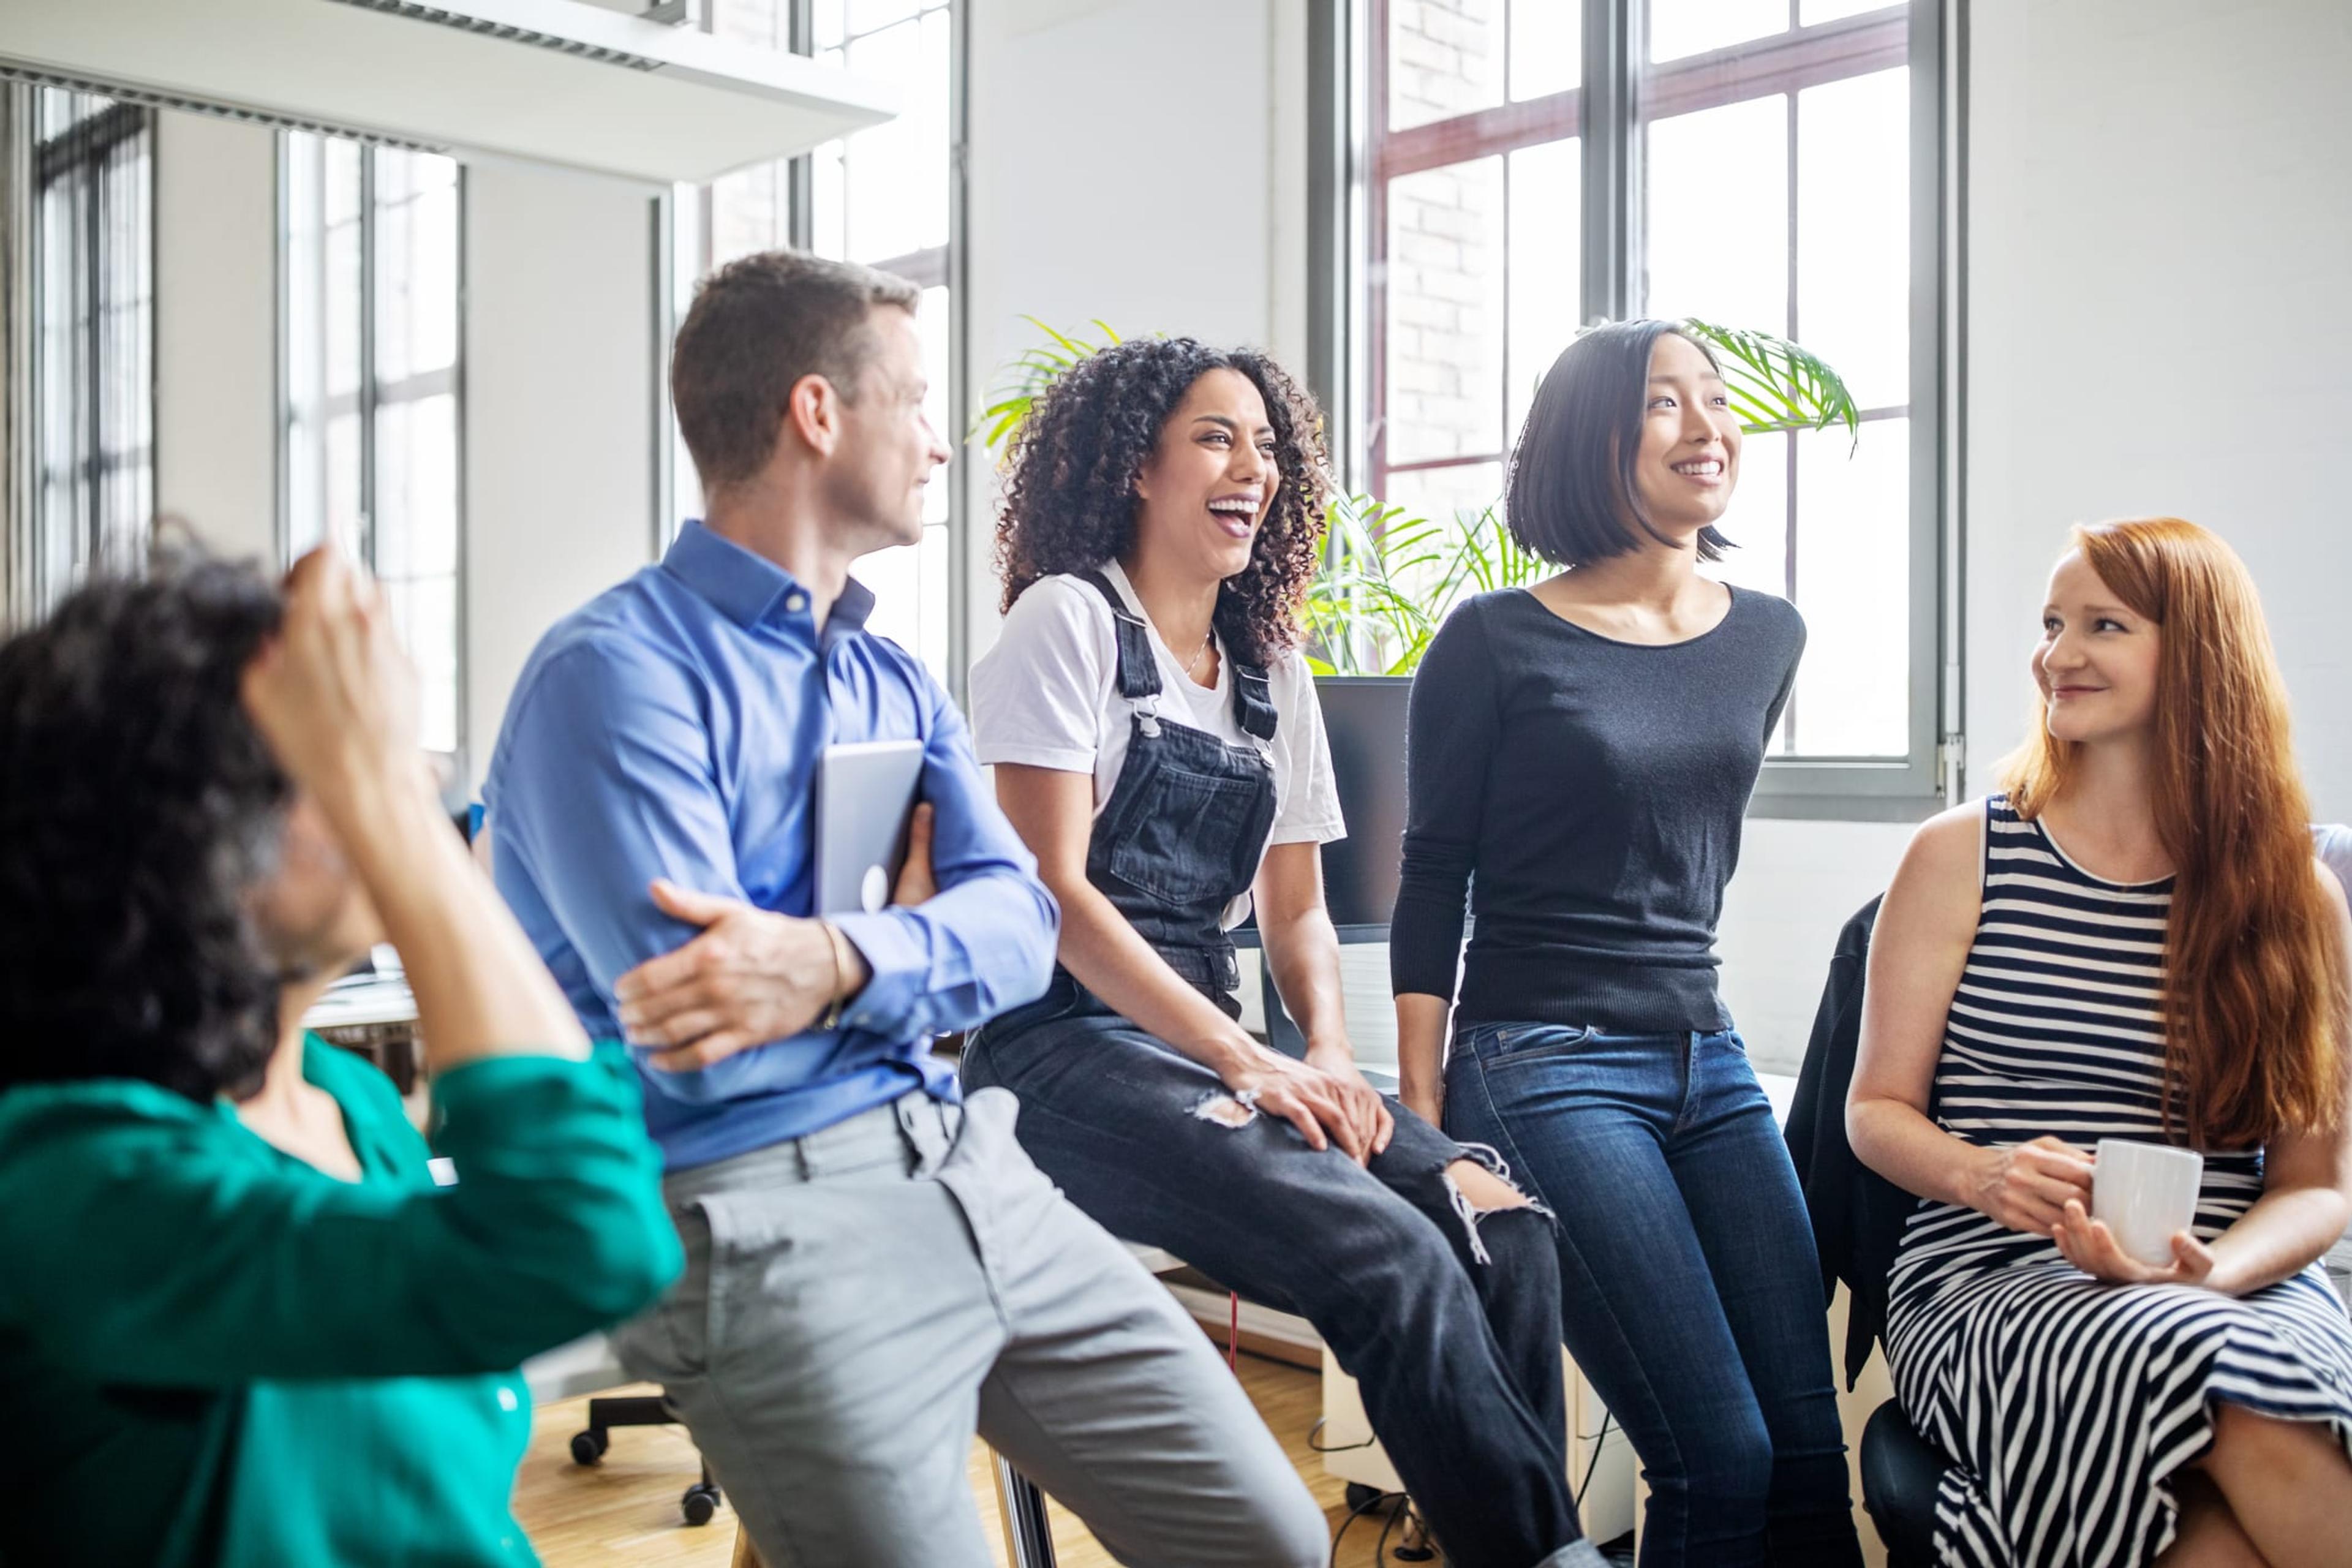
[858,1302]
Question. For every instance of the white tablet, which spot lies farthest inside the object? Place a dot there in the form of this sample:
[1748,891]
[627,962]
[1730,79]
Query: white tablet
[865,795]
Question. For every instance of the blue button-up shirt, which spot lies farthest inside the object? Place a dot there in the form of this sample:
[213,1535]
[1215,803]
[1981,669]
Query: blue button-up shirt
[671,727]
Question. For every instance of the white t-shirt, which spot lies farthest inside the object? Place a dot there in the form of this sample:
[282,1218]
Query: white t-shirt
[1048,696]
[2333,842]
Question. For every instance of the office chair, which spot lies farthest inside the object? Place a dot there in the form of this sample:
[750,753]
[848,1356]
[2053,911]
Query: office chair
[1028,1537]
[700,1502]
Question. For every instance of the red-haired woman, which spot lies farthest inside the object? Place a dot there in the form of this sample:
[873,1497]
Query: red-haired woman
[2132,941]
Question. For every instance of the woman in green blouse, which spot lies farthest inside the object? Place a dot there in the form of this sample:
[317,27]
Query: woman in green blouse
[241,1321]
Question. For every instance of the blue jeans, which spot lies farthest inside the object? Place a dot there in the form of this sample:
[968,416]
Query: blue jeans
[1446,1321]
[1690,1293]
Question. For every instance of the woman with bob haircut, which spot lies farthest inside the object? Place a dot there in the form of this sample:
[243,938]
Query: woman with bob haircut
[243,1322]
[1580,755]
[2132,940]
[1158,744]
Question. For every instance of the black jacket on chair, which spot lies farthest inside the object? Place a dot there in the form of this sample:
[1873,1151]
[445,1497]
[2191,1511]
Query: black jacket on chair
[1858,1215]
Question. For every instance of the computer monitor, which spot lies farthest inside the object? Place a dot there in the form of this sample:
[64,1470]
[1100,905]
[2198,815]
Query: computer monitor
[1364,717]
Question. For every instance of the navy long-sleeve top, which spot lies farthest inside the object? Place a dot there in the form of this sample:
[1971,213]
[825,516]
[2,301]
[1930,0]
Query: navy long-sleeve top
[1588,793]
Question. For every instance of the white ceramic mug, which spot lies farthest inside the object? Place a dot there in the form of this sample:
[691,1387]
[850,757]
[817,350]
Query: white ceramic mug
[2146,1194]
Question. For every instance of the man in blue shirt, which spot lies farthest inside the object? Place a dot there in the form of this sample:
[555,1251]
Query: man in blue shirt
[873,1271]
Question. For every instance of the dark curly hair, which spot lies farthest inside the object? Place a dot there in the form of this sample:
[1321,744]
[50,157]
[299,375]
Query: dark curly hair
[1069,498]
[138,807]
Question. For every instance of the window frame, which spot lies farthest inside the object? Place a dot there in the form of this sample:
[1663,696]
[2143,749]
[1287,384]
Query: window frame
[1354,156]
[94,537]
[369,397]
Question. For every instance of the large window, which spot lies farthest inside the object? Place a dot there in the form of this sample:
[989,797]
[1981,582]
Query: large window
[882,196]
[1530,166]
[93,356]
[372,389]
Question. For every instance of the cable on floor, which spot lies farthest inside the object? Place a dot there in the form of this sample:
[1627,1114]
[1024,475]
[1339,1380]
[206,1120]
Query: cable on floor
[1317,1430]
[1357,1512]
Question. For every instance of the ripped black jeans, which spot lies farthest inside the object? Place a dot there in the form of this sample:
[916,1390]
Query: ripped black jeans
[1448,1317]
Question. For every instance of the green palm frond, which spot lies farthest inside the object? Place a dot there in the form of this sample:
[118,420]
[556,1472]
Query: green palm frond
[1022,382]
[1776,385]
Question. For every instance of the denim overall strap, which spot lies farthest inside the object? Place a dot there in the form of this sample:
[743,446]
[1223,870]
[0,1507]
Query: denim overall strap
[1188,818]
[1252,700]
[1139,672]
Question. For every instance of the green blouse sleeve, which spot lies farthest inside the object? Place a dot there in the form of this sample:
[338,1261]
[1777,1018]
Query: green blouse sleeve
[148,1242]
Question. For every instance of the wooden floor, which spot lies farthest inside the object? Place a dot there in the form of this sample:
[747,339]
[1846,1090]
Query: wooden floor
[625,1511]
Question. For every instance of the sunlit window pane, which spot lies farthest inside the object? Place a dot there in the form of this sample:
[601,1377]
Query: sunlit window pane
[372,423]
[1457,499]
[1757,521]
[1683,28]
[416,264]
[341,157]
[829,201]
[933,644]
[1853,247]
[937,328]
[1446,57]
[871,16]
[90,421]
[895,577]
[424,617]
[342,521]
[896,175]
[831,22]
[341,284]
[417,486]
[1546,269]
[750,210]
[1813,12]
[1717,245]
[765,24]
[1854,566]
[1444,372]
[1546,46]
[1454,495]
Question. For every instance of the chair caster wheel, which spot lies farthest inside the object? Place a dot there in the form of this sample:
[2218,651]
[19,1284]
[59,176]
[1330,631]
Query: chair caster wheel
[588,1448]
[1360,1496]
[699,1505]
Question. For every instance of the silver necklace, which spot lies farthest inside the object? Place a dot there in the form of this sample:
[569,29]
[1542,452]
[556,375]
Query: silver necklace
[1193,664]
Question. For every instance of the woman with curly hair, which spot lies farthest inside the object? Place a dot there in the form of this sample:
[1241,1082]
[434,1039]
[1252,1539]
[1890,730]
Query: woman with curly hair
[1156,743]
[242,1320]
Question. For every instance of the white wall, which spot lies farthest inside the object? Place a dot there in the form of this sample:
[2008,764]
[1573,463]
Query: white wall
[216,329]
[1798,883]
[2160,221]
[1123,167]
[559,410]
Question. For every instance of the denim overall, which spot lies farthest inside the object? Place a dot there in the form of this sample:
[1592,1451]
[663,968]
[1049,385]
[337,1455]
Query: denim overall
[1188,817]
[1450,1326]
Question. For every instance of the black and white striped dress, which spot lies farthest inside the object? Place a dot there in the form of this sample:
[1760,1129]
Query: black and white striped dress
[2067,1402]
